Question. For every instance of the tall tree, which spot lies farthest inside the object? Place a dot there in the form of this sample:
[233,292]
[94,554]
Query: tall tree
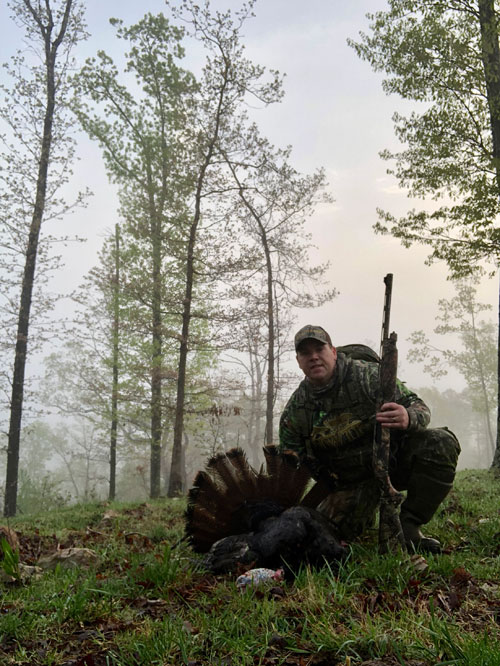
[35,112]
[251,356]
[475,361]
[88,376]
[115,367]
[445,55]
[274,201]
[229,81]
[144,142]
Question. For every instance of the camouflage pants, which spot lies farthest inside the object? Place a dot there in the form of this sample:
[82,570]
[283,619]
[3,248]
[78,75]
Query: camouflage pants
[433,452]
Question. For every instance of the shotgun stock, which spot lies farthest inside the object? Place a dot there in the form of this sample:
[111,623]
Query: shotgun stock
[390,537]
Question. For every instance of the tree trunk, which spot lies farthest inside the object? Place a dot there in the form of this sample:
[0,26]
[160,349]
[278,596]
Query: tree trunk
[156,368]
[177,474]
[183,466]
[491,62]
[164,459]
[496,457]
[176,471]
[251,417]
[254,431]
[270,340]
[16,405]
[114,392]
[270,306]
[482,379]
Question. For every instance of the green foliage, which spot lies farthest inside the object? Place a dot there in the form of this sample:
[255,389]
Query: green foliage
[449,646]
[477,359]
[144,120]
[35,165]
[445,56]
[162,571]
[39,493]
[431,53]
[10,559]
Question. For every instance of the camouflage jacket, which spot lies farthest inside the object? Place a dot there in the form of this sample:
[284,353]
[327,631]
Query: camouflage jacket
[335,424]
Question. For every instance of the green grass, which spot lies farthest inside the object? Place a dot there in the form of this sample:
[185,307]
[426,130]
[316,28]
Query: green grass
[149,601]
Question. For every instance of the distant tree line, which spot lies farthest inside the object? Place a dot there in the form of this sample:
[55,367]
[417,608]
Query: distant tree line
[211,251]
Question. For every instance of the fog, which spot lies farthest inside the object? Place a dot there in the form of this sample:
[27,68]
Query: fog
[336,116]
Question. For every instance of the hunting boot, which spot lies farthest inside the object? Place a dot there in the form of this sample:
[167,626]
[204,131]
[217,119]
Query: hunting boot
[425,494]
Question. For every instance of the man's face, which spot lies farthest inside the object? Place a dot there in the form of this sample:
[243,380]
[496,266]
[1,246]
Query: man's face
[317,360]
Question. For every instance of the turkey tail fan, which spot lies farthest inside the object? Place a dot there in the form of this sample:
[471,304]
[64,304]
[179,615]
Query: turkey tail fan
[245,472]
[271,482]
[202,528]
[229,497]
[205,490]
[267,479]
[227,474]
[216,502]
[288,479]
[296,475]
[271,454]
[208,512]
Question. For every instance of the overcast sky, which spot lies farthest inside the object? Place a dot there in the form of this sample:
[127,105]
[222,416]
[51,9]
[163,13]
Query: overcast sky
[335,115]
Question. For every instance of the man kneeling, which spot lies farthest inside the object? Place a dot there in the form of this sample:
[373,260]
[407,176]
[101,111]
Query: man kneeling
[330,418]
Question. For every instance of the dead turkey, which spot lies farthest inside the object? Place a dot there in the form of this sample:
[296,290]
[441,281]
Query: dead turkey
[241,517]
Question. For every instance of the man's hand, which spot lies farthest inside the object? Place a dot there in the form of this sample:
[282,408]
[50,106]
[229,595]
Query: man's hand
[392,415]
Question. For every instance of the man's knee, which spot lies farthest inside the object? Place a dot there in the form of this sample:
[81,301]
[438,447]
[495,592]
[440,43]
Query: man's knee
[433,451]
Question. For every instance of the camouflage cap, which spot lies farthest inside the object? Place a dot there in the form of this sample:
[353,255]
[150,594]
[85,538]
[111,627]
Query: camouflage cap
[314,332]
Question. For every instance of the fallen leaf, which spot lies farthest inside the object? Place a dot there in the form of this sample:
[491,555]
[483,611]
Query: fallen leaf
[10,536]
[443,601]
[28,572]
[461,577]
[189,627]
[109,516]
[69,558]
[87,660]
[277,641]
[454,600]
[490,587]
[418,562]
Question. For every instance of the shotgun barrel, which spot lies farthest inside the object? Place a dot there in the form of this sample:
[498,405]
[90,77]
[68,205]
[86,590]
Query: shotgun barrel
[390,537]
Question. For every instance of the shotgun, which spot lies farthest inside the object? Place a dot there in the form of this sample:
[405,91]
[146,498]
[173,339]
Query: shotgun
[390,537]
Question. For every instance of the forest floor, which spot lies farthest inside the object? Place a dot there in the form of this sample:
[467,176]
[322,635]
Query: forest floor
[142,597]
